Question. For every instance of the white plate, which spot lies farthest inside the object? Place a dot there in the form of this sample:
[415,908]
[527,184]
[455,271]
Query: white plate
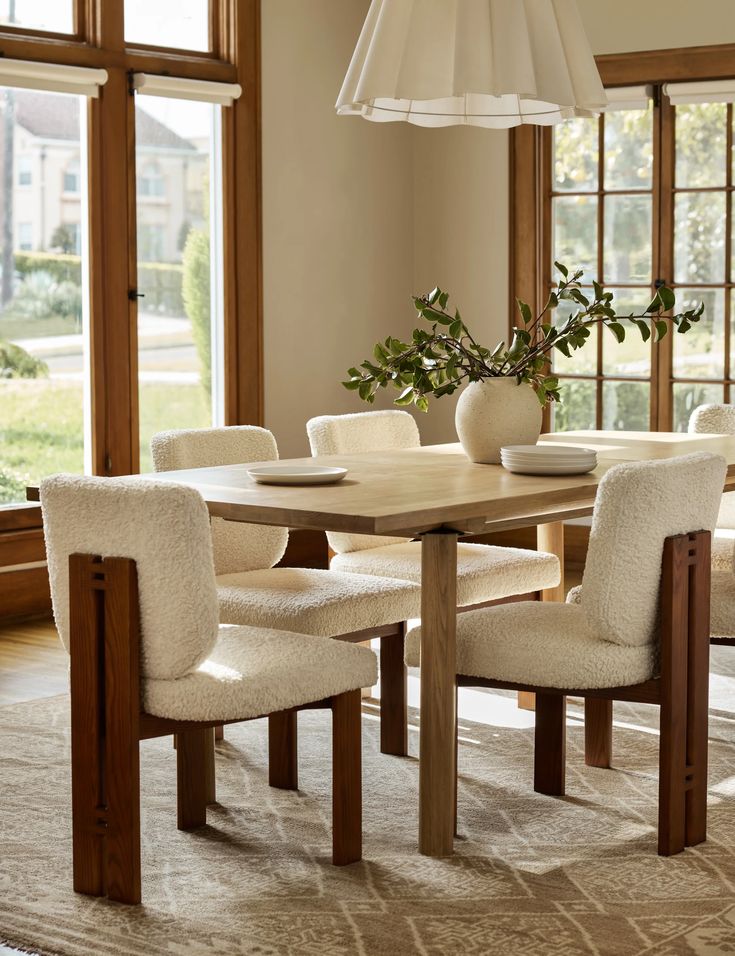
[536,460]
[548,451]
[296,475]
[541,469]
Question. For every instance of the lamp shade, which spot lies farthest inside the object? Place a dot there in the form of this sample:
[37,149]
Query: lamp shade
[492,63]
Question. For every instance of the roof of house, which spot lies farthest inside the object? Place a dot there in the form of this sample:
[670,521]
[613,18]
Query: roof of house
[57,117]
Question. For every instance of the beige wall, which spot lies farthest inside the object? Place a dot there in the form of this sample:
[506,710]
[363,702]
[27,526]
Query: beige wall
[355,209]
[337,218]
[621,26]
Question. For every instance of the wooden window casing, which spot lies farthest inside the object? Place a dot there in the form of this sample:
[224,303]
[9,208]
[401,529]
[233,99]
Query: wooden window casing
[531,193]
[98,41]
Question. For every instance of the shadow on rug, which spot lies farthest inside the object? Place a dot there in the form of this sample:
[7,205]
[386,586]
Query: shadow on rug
[532,874]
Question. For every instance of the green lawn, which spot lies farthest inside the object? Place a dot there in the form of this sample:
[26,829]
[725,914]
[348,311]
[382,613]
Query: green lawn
[41,427]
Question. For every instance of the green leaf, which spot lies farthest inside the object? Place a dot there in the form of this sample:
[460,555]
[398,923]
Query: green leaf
[561,268]
[353,384]
[662,328]
[683,326]
[406,396]
[443,299]
[617,330]
[655,305]
[563,347]
[525,311]
[455,328]
[380,353]
[433,295]
[599,292]
[667,297]
[645,329]
[365,390]
[436,316]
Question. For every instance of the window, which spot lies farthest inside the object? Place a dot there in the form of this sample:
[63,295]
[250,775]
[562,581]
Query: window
[25,236]
[75,409]
[150,181]
[56,16]
[179,315]
[43,321]
[601,221]
[641,196]
[71,177]
[184,23]
[25,174]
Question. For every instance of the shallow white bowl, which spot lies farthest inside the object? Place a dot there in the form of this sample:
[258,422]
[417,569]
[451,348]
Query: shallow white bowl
[296,475]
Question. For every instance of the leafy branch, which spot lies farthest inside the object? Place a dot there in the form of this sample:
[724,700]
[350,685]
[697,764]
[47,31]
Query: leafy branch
[441,358]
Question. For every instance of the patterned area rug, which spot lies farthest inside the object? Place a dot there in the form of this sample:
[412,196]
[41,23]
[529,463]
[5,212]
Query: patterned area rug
[532,874]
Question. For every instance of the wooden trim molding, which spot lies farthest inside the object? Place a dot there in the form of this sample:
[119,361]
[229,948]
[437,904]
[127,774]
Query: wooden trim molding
[659,66]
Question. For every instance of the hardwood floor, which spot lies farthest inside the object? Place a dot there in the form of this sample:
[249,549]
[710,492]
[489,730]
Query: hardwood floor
[32,662]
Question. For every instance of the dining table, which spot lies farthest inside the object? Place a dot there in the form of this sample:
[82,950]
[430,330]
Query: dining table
[437,494]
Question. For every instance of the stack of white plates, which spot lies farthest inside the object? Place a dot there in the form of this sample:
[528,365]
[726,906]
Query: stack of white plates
[548,459]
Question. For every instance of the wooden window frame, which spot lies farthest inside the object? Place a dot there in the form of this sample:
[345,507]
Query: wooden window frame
[529,194]
[98,41]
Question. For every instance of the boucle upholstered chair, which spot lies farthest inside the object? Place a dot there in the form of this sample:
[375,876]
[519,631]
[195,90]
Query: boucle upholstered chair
[639,632]
[134,598]
[485,573]
[719,420]
[252,591]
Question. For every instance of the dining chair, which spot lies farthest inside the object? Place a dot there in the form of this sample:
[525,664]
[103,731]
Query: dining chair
[485,573]
[135,603]
[639,632]
[252,591]
[719,420]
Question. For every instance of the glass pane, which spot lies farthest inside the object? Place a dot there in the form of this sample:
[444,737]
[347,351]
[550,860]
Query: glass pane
[699,353]
[688,396]
[699,237]
[57,16]
[181,24]
[582,361]
[628,149]
[627,249]
[577,408]
[42,308]
[575,155]
[626,406]
[574,238]
[701,145]
[632,356]
[178,245]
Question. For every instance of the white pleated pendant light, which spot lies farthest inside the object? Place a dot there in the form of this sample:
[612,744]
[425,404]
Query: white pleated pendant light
[492,63]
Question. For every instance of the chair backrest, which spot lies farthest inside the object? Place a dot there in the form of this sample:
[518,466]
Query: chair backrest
[356,433]
[717,420]
[164,528]
[237,546]
[638,506]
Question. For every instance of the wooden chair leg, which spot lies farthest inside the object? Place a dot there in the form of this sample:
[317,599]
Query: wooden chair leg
[550,745]
[193,754]
[698,692]
[598,718]
[283,767]
[219,733]
[346,779]
[393,696]
[122,738]
[87,721]
[210,768]
[456,755]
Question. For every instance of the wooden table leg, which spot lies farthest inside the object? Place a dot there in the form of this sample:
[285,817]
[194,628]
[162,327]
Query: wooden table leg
[437,766]
[549,537]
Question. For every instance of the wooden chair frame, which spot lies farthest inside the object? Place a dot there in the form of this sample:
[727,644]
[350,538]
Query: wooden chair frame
[681,691]
[107,725]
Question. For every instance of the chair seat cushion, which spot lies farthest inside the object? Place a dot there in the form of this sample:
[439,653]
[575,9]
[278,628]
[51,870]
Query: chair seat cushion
[315,601]
[484,572]
[722,606]
[256,671]
[543,645]
[723,549]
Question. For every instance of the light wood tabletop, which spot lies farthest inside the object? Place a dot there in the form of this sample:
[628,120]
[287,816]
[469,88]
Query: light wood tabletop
[437,493]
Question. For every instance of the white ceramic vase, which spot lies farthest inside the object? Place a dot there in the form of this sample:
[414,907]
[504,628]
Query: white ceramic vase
[496,412]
